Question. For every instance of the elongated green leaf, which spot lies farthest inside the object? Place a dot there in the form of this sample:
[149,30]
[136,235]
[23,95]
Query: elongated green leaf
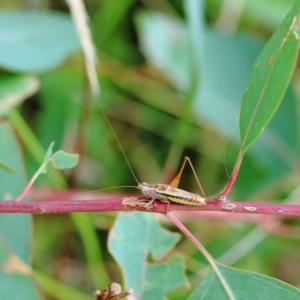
[35,41]
[15,229]
[238,284]
[15,89]
[133,238]
[269,79]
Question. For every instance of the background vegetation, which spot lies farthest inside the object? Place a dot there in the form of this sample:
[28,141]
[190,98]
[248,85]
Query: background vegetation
[163,105]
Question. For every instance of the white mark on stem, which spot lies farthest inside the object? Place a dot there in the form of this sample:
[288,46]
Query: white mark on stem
[250,208]
[222,198]
[229,206]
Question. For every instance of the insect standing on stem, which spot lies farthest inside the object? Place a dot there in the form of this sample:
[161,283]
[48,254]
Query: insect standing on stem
[165,193]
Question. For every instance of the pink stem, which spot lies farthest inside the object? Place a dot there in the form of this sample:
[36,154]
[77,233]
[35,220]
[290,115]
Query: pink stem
[232,178]
[31,181]
[25,191]
[101,205]
[176,222]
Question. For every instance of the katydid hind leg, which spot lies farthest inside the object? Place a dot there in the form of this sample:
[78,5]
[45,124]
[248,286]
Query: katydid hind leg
[176,180]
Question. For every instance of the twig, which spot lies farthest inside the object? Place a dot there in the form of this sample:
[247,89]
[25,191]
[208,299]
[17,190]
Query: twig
[115,204]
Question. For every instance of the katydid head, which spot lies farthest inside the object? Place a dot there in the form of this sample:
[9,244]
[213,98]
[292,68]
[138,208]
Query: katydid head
[149,190]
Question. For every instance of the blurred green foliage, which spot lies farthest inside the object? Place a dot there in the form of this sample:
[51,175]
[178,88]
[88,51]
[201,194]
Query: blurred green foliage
[161,108]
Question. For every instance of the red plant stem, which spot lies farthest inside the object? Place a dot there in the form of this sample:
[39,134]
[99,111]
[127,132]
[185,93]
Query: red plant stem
[179,225]
[104,205]
[233,177]
[25,191]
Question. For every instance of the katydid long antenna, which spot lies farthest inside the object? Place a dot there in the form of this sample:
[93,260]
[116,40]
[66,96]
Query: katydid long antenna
[116,138]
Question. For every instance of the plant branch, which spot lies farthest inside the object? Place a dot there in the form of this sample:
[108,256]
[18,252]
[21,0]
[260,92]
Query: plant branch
[233,177]
[119,204]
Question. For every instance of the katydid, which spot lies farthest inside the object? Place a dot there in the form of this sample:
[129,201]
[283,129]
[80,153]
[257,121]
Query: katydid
[165,193]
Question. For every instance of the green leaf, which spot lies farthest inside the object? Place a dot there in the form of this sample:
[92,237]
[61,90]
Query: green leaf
[35,41]
[64,160]
[240,284]
[133,238]
[162,278]
[269,79]
[14,90]
[15,229]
